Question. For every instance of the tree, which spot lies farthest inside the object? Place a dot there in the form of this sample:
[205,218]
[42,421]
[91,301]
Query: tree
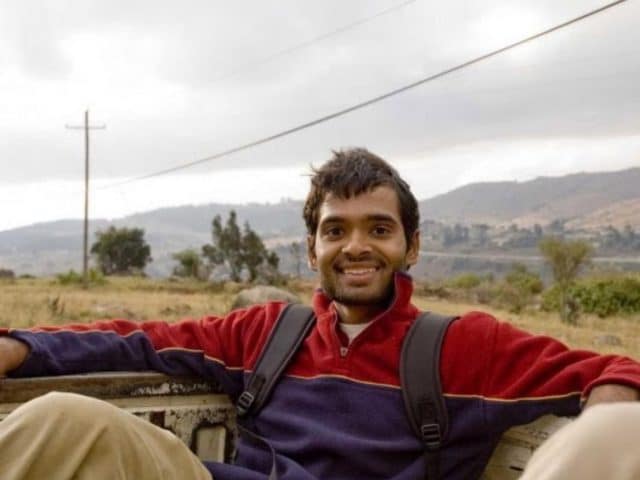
[227,245]
[121,250]
[566,259]
[255,255]
[189,264]
[296,250]
[239,250]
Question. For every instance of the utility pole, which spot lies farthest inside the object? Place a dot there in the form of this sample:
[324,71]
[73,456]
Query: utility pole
[85,253]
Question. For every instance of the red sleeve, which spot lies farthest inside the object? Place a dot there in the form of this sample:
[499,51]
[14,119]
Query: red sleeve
[504,362]
[190,346]
[235,340]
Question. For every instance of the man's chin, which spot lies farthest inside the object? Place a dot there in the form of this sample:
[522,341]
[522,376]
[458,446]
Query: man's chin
[362,299]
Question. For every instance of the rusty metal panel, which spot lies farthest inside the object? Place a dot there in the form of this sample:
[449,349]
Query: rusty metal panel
[194,410]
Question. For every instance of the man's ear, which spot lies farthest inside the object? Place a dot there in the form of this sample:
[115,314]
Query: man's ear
[312,260]
[413,249]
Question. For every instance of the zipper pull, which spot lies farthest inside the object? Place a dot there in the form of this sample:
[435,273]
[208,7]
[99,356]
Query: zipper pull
[344,351]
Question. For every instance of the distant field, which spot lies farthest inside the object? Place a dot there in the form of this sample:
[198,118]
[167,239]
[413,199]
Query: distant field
[29,302]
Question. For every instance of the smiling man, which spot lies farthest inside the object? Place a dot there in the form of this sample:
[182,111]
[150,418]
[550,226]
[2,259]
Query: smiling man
[338,411]
[358,246]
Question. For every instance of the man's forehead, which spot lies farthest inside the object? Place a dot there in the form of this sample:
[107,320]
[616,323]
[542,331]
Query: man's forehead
[377,202]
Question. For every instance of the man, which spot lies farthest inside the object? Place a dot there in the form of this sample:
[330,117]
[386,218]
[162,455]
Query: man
[338,410]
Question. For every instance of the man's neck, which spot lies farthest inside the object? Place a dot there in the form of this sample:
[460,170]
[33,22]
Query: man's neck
[353,314]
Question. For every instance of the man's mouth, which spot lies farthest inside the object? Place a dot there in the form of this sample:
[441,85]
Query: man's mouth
[359,272]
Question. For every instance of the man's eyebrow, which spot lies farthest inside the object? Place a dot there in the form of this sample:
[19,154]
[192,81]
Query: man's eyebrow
[382,217]
[374,217]
[332,219]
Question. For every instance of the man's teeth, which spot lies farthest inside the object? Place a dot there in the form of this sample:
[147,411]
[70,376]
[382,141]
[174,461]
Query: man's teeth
[358,271]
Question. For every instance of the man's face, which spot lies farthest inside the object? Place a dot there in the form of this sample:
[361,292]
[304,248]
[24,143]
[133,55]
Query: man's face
[359,244]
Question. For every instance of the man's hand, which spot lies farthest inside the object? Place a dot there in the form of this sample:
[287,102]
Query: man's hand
[12,354]
[612,393]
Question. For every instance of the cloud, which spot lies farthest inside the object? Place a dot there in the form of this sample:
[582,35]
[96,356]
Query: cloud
[151,71]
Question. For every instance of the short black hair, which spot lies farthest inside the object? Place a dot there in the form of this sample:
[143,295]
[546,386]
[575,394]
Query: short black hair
[351,172]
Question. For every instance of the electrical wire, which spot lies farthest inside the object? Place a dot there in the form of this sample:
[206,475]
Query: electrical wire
[371,101]
[269,58]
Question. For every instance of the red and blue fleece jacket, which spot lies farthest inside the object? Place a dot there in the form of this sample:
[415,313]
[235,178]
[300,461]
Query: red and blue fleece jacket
[338,412]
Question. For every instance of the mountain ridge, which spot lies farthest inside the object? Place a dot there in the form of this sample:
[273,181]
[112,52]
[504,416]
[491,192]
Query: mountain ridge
[582,200]
[552,198]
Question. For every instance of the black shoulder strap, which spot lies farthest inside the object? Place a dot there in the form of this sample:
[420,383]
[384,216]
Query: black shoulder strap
[421,387]
[287,335]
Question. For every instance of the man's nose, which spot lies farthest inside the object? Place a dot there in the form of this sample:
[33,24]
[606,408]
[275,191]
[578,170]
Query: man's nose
[357,243]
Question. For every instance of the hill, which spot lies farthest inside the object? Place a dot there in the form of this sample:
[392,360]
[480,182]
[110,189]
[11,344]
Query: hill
[542,200]
[587,201]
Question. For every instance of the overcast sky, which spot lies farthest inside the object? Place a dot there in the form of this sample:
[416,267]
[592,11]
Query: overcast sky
[178,81]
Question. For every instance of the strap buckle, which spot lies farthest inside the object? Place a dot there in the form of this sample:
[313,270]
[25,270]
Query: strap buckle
[245,400]
[431,436]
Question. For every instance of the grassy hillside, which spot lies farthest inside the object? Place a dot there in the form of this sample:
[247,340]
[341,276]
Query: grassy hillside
[28,302]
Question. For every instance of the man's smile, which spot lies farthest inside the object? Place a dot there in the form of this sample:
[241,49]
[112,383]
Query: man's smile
[358,274]
[359,271]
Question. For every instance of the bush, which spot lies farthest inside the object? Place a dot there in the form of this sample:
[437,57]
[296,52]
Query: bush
[465,281]
[6,273]
[514,292]
[190,265]
[523,280]
[431,289]
[74,278]
[550,299]
[601,296]
[610,296]
[510,297]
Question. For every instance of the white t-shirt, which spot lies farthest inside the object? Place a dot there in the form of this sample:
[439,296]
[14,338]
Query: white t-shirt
[352,330]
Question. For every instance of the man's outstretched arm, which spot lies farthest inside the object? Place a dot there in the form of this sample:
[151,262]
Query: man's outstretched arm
[12,354]
[612,393]
[217,348]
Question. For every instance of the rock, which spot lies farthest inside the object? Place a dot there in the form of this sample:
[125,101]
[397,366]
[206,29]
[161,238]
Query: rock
[262,294]
[607,340]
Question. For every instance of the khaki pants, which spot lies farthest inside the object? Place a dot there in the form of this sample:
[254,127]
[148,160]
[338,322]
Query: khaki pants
[602,444]
[63,436]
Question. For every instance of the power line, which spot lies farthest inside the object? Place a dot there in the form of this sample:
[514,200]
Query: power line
[269,58]
[371,101]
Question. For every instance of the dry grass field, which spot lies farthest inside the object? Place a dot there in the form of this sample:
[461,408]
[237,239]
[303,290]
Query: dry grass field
[29,302]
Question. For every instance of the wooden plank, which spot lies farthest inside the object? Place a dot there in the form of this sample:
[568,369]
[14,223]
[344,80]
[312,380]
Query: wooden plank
[104,385]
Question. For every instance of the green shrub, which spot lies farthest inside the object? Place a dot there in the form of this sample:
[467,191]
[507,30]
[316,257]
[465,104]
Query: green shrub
[517,289]
[550,300]
[610,296]
[69,278]
[523,280]
[74,278]
[511,297]
[601,296]
[465,281]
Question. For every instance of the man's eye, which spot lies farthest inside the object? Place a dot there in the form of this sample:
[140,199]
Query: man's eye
[381,230]
[333,232]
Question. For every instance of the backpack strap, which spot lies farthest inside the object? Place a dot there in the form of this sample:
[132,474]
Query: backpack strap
[287,335]
[421,387]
